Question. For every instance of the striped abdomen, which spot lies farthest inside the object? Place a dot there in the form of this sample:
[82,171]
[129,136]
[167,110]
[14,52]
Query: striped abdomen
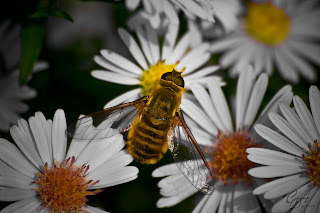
[147,139]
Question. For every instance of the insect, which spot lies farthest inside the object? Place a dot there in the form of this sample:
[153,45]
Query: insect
[154,124]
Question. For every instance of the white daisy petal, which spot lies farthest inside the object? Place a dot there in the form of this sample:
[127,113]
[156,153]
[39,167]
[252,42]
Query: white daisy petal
[229,42]
[59,139]
[244,200]
[284,95]
[116,144]
[121,61]
[286,129]
[38,127]
[201,73]
[113,77]
[204,200]
[169,39]
[196,114]
[303,67]
[112,67]
[275,171]
[286,188]
[9,171]
[308,50]
[95,210]
[204,100]
[268,153]
[277,140]
[170,12]
[313,205]
[166,170]
[170,201]
[133,48]
[195,53]
[132,4]
[131,95]
[245,83]
[23,206]
[16,182]
[278,182]
[176,188]
[286,203]
[153,44]
[117,177]
[295,122]
[220,104]
[10,154]
[95,148]
[118,160]
[12,194]
[142,36]
[179,50]
[271,161]
[196,63]
[305,117]
[224,196]
[25,142]
[229,58]
[314,97]
[286,69]
[256,97]
[210,203]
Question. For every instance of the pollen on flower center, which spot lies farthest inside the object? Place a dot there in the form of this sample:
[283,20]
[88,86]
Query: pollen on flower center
[229,159]
[312,160]
[64,188]
[151,77]
[266,23]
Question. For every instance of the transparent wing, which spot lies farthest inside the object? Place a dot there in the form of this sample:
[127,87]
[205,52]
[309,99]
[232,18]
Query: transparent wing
[105,123]
[189,157]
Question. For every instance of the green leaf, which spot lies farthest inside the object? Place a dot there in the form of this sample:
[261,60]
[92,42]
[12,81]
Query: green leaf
[44,13]
[32,37]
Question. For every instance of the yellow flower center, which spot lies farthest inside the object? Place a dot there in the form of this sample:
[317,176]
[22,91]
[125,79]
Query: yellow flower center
[266,23]
[64,188]
[312,160]
[151,77]
[229,159]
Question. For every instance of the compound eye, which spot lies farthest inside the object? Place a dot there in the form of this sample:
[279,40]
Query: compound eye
[167,76]
[179,81]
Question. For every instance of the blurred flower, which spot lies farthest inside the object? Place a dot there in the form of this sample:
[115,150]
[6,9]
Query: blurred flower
[154,10]
[281,33]
[297,163]
[39,175]
[226,14]
[227,146]
[12,94]
[180,56]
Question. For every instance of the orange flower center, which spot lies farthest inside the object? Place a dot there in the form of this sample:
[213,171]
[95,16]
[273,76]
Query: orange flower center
[229,159]
[64,188]
[312,160]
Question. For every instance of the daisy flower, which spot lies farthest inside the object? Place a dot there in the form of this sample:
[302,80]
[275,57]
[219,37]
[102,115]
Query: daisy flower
[153,10]
[40,176]
[12,96]
[295,165]
[272,33]
[152,62]
[226,145]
